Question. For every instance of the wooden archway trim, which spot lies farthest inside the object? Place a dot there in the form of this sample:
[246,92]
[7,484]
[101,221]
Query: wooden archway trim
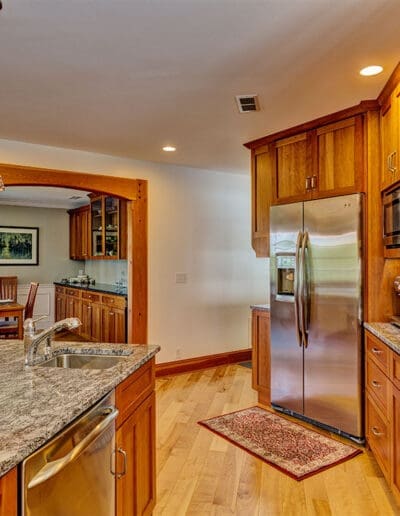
[135,191]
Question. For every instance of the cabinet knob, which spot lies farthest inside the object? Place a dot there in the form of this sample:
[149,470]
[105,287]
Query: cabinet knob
[376,431]
[376,351]
[375,384]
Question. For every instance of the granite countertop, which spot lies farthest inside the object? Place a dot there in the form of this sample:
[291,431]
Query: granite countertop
[388,334]
[260,307]
[97,287]
[37,402]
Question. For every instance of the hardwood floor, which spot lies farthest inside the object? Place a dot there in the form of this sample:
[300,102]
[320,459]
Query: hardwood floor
[199,473]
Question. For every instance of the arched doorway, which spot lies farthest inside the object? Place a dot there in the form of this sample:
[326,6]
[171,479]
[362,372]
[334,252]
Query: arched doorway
[135,192]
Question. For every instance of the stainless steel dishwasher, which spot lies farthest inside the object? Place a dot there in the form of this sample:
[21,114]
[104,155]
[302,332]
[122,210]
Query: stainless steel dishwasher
[72,475]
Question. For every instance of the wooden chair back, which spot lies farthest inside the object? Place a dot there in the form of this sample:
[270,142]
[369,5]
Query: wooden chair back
[8,287]
[30,301]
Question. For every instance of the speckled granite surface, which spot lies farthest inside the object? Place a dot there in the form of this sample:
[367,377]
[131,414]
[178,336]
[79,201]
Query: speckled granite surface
[260,307]
[97,287]
[37,402]
[388,333]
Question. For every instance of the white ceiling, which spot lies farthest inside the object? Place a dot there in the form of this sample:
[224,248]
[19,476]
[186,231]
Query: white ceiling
[43,197]
[125,77]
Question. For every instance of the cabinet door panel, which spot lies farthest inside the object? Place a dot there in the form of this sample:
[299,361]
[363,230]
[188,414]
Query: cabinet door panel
[261,176]
[293,168]
[340,157]
[390,114]
[396,442]
[261,377]
[136,437]
[9,494]
[378,435]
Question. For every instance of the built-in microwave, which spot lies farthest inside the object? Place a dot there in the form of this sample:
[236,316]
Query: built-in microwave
[391,219]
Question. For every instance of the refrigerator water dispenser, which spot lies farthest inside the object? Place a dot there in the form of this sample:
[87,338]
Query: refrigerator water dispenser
[285,265]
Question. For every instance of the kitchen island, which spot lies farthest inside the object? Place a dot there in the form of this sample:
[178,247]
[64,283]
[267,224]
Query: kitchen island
[37,402]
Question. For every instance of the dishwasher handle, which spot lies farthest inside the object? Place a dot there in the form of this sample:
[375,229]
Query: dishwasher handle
[52,468]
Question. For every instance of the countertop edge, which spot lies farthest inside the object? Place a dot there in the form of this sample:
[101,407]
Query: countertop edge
[265,307]
[387,333]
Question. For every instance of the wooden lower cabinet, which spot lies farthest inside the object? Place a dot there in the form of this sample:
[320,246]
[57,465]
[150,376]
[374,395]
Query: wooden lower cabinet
[135,444]
[261,367]
[8,494]
[382,408]
[103,316]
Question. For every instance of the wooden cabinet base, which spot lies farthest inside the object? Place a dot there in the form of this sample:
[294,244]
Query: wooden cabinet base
[135,444]
[8,494]
[261,375]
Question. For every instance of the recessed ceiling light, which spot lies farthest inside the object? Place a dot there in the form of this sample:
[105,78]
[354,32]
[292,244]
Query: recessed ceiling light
[371,70]
[169,148]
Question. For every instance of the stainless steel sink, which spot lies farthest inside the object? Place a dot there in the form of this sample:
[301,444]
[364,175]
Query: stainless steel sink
[78,361]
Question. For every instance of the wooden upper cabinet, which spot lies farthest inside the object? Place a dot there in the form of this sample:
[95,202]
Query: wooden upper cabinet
[339,148]
[390,134]
[292,168]
[79,233]
[261,188]
[324,162]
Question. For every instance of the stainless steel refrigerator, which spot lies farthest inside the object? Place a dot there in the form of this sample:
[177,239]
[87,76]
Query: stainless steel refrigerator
[316,311]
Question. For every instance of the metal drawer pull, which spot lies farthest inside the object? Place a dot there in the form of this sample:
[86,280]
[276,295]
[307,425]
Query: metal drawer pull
[376,432]
[123,472]
[308,179]
[376,384]
[376,351]
[313,182]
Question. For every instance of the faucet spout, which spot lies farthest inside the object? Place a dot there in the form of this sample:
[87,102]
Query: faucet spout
[32,339]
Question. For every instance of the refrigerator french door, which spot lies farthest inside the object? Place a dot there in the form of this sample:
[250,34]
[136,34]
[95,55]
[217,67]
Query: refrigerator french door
[316,311]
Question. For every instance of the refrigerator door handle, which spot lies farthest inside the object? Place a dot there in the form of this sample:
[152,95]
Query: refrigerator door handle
[296,290]
[305,298]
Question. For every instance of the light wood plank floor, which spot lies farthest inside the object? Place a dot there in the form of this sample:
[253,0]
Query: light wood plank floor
[199,473]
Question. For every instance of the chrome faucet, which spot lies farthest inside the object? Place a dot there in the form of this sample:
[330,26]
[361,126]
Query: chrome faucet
[33,339]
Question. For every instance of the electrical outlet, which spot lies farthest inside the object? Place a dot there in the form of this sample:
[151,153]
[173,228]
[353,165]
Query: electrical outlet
[181,277]
[178,353]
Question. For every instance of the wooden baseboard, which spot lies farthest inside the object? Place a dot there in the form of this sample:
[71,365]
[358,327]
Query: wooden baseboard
[193,364]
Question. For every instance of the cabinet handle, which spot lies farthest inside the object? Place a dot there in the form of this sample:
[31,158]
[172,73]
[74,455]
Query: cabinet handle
[313,182]
[308,184]
[394,156]
[388,159]
[123,472]
[110,313]
[376,432]
[376,351]
[376,384]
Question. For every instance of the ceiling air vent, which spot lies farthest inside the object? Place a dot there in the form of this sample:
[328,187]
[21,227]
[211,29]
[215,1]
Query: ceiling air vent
[247,103]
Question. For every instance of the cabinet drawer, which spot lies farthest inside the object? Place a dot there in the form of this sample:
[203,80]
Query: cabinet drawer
[131,392]
[72,292]
[378,385]
[117,301]
[95,298]
[378,436]
[378,352]
[60,290]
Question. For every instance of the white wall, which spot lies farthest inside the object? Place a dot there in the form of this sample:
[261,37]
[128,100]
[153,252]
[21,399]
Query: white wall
[199,224]
[54,262]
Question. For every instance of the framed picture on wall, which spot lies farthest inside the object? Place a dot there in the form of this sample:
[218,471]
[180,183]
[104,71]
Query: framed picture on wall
[19,245]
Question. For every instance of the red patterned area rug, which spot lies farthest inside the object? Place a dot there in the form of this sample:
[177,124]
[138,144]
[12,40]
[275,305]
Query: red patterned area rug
[290,447]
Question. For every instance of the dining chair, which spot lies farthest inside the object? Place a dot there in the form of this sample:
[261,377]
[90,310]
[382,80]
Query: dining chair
[9,329]
[8,287]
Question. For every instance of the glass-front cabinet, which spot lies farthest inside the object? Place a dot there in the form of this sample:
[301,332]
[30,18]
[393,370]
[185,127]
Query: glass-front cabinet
[108,227]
